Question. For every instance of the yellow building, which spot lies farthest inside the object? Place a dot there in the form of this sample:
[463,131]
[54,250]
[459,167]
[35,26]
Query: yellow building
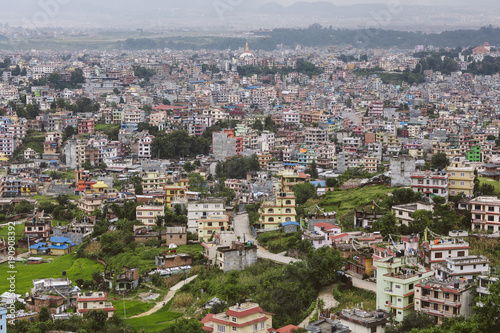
[264,159]
[207,225]
[147,214]
[153,181]
[461,177]
[243,318]
[88,203]
[274,212]
[173,192]
[417,153]
[289,178]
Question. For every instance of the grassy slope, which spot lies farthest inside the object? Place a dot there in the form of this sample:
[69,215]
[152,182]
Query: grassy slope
[496,184]
[132,307]
[75,269]
[344,201]
[156,321]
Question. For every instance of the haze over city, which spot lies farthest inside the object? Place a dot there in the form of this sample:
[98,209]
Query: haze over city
[205,15]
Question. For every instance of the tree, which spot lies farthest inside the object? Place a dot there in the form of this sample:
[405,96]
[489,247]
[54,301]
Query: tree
[188,166]
[304,192]
[257,125]
[332,182]
[323,264]
[490,137]
[314,170]
[440,161]
[97,319]
[138,189]
[196,182]
[44,314]
[69,131]
[386,225]
[401,196]
[487,189]
[23,207]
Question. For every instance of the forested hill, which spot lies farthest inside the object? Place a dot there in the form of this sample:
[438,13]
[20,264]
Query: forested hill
[317,36]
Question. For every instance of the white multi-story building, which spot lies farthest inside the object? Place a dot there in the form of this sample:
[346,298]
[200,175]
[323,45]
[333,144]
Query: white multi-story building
[315,136]
[430,183]
[485,213]
[88,301]
[7,144]
[291,117]
[204,208]
[462,267]
[144,146]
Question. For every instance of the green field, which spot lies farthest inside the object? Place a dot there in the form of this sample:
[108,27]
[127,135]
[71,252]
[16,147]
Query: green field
[156,321]
[132,307]
[75,269]
[352,297]
[496,184]
[4,230]
[345,201]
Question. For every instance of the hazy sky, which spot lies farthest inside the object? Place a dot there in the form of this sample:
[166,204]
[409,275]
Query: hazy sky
[205,13]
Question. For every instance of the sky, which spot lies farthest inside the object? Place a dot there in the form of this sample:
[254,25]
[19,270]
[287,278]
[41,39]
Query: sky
[195,13]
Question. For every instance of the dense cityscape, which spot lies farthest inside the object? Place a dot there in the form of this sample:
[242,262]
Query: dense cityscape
[260,188]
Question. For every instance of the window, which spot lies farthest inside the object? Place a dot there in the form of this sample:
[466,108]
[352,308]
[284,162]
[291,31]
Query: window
[462,174]
[460,253]
[491,209]
[255,327]
[262,325]
[438,255]
[139,213]
[397,286]
[234,329]
[233,319]
[410,286]
[205,206]
[221,328]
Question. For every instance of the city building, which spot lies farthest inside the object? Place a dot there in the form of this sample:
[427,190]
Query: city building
[94,301]
[148,214]
[244,318]
[461,177]
[396,281]
[449,299]
[430,184]
[485,213]
[274,212]
[204,208]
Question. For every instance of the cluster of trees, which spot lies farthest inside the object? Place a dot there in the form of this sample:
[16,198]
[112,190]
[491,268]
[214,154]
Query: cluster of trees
[489,66]
[55,80]
[437,62]
[442,220]
[93,321]
[302,66]
[269,125]
[316,35]
[143,72]
[237,167]
[286,290]
[179,144]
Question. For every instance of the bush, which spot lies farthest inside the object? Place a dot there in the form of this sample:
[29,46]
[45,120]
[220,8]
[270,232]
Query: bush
[365,276]
[182,300]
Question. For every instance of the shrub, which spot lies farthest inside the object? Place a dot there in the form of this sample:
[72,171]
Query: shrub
[182,300]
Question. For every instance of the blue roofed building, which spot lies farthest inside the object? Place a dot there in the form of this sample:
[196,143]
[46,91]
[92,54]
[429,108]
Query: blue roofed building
[290,226]
[56,246]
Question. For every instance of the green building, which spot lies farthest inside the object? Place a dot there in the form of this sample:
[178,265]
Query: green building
[396,281]
[474,154]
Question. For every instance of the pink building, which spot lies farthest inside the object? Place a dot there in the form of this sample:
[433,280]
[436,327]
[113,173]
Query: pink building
[86,126]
